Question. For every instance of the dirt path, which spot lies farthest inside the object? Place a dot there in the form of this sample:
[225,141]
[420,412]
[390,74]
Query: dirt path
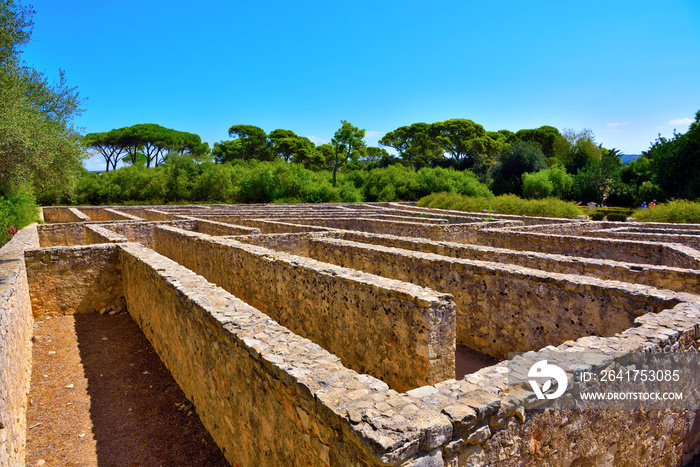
[467,361]
[101,397]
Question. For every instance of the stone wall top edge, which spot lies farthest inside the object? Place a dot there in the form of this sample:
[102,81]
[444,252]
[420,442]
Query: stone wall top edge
[71,250]
[12,260]
[578,281]
[611,241]
[509,252]
[307,365]
[492,382]
[496,215]
[423,296]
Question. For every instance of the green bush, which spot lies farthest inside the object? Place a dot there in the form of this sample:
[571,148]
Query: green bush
[681,211]
[617,217]
[16,211]
[399,183]
[537,185]
[504,204]
[597,215]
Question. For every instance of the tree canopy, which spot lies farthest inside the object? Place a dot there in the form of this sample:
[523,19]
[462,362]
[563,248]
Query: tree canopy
[347,143]
[144,140]
[512,162]
[40,151]
[254,143]
[675,162]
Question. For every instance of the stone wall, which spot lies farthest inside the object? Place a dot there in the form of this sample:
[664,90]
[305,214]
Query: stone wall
[503,308]
[144,232]
[569,228]
[220,228]
[659,254]
[67,234]
[265,226]
[662,277]
[526,220]
[271,397]
[60,214]
[121,216]
[96,234]
[398,332]
[508,435]
[690,240]
[292,243]
[16,329]
[150,214]
[102,214]
[77,279]
[266,395]
[450,232]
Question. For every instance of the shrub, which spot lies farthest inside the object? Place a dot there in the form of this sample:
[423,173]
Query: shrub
[681,211]
[504,204]
[16,211]
[617,217]
[597,215]
[537,185]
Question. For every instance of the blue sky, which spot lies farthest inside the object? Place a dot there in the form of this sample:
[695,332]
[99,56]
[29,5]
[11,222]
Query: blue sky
[628,70]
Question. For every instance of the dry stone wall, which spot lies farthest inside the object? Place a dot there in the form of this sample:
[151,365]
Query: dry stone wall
[268,396]
[691,240]
[63,214]
[660,254]
[662,277]
[67,234]
[96,234]
[16,326]
[503,309]
[144,232]
[398,332]
[272,397]
[69,280]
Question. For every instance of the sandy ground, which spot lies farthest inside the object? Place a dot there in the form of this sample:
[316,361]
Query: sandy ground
[100,396]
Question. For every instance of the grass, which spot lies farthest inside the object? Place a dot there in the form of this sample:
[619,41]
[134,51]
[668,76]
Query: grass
[678,211]
[16,211]
[504,204]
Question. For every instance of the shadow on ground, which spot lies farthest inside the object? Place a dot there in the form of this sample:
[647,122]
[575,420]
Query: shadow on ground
[140,416]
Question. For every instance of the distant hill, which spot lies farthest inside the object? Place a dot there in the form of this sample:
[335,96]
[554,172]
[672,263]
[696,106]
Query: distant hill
[627,158]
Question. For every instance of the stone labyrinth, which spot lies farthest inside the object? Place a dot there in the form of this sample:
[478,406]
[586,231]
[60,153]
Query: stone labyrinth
[330,334]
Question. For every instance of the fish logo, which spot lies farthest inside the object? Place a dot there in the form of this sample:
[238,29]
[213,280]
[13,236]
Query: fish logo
[542,369]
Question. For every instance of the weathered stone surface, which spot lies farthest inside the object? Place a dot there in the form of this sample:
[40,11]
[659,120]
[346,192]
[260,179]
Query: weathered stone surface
[16,325]
[401,333]
[271,397]
[68,280]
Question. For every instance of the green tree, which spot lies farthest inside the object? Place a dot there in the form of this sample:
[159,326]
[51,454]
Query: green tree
[283,143]
[227,151]
[502,136]
[598,179]
[545,136]
[40,151]
[457,137]
[314,157]
[287,145]
[374,156]
[675,162]
[537,185]
[255,144]
[553,181]
[416,145]
[576,150]
[468,143]
[347,143]
[107,144]
[512,162]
